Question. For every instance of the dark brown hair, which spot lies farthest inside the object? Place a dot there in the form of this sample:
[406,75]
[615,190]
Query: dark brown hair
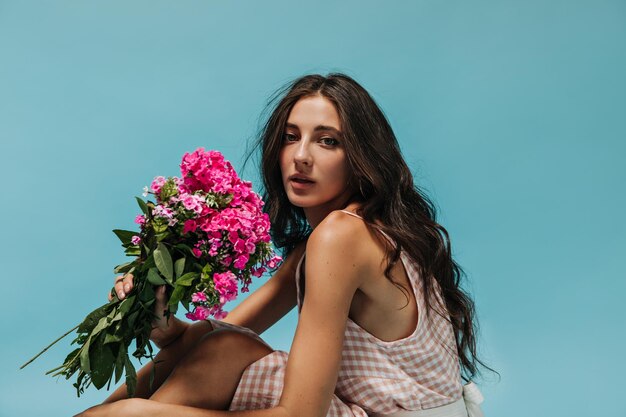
[383,185]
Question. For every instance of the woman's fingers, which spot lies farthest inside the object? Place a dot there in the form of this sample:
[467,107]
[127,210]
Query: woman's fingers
[161,302]
[123,285]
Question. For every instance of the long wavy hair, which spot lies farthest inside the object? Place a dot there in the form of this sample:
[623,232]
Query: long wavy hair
[383,185]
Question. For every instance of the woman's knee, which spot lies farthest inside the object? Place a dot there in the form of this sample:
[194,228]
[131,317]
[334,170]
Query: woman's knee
[229,342]
[217,363]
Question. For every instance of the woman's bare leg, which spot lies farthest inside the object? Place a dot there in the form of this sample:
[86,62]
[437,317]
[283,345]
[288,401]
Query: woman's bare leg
[209,374]
[167,359]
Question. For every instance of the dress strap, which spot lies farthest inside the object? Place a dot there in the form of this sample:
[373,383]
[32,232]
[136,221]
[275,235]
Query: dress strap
[352,214]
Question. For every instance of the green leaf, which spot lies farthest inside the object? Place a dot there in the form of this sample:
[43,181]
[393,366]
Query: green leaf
[84,357]
[183,247]
[131,377]
[93,318]
[124,235]
[102,360]
[119,362]
[102,324]
[142,205]
[207,271]
[154,278]
[123,268]
[163,261]
[146,294]
[159,225]
[177,295]
[187,279]
[179,267]
[71,357]
[115,315]
[126,305]
[111,338]
[132,251]
[148,263]
[130,320]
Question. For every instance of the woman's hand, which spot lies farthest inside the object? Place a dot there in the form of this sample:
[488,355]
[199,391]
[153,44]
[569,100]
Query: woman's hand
[123,285]
[164,329]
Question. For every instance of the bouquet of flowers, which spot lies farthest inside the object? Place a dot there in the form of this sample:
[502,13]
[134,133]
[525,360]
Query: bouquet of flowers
[205,234]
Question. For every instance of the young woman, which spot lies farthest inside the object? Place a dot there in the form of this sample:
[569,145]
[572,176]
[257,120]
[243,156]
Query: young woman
[383,326]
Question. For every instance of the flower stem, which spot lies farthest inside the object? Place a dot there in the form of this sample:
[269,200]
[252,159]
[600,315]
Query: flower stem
[48,347]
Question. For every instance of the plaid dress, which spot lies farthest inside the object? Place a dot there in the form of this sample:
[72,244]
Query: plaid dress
[417,372]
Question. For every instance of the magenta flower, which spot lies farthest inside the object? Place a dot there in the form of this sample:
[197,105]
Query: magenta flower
[241,261]
[198,297]
[200,313]
[190,226]
[226,285]
[257,272]
[161,211]
[157,184]
[272,263]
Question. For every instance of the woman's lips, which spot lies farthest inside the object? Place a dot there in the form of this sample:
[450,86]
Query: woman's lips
[301,183]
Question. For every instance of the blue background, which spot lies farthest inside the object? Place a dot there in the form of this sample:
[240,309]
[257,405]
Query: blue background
[512,115]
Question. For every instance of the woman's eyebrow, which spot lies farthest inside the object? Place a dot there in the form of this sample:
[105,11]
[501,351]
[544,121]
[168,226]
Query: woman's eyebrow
[316,129]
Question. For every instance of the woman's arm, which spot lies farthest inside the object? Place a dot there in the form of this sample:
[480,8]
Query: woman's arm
[336,267]
[270,302]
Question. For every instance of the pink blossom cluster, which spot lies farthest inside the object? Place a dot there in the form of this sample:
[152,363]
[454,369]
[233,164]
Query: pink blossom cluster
[226,286]
[221,218]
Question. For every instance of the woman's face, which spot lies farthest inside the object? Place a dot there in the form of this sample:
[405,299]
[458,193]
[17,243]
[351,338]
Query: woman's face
[313,158]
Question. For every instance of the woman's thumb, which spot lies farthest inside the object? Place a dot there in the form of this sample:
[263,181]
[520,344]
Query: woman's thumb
[161,300]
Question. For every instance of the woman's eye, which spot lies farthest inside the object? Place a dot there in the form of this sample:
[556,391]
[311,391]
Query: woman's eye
[330,141]
[289,137]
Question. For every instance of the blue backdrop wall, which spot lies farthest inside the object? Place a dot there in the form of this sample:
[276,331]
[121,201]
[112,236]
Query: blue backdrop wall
[512,115]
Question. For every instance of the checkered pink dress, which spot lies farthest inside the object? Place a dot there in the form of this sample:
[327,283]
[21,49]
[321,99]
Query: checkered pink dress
[417,372]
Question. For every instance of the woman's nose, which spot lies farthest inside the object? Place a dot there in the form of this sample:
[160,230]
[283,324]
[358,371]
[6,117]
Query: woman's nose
[303,154]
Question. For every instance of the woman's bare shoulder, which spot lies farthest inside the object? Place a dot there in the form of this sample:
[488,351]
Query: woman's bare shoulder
[341,230]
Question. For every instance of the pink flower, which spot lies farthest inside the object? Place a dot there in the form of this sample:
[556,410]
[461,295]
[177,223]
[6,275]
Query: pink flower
[135,240]
[190,226]
[226,286]
[161,211]
[272,263]
[140,219]
[241,261]
[199,313]
[193,202]
[240,246]
[198,297]
[257,272]
[215,245]
[197,252]
[157,184]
